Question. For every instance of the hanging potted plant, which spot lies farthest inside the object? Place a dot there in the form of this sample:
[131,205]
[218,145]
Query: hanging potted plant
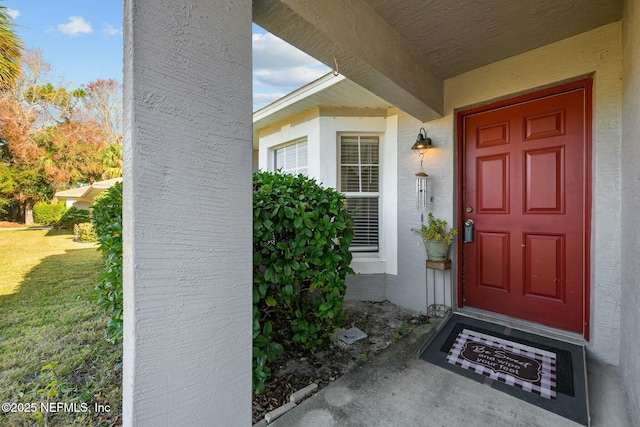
[437,238]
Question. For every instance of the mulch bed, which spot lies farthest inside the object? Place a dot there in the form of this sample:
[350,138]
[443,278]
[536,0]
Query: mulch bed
[293,372]
[7,224]
[383,322]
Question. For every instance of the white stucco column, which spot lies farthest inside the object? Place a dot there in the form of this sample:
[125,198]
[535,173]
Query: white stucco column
[187,213]
[630,198]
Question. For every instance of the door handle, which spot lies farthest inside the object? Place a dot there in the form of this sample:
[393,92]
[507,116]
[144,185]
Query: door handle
[468,231]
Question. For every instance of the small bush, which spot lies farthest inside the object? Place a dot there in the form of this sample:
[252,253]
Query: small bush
[107,221]
[48,213]
[301,238]
[84,232]
[73,216]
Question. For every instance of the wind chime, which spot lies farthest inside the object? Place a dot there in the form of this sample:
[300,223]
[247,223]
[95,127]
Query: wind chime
[422,144]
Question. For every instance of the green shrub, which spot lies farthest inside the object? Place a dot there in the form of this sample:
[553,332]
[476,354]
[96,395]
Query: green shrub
[301,238]
[48,213]
[107,221]
[73,216]
[84,232]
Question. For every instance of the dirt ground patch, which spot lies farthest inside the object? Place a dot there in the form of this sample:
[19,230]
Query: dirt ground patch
[7,224]
[383,322]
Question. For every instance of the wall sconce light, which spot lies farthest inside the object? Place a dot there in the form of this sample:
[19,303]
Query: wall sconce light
[421,145]
[422,142]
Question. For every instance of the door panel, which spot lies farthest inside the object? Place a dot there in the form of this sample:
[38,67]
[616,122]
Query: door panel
[544,266]
[544,180]
[493,260]
[525,176]
[493,184]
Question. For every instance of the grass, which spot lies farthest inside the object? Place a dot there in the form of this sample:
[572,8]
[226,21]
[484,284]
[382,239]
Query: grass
[49,318]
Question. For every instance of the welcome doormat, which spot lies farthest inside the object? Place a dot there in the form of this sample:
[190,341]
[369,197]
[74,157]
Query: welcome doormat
[542,371]
[528,368]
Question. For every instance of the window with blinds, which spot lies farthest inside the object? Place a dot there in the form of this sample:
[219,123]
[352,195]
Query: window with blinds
[292,159]
[360,183]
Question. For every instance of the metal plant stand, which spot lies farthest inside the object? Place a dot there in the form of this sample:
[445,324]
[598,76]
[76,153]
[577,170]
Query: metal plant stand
[438,299]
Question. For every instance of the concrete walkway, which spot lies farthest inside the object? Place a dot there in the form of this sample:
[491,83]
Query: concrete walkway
[396,389]
[35,227]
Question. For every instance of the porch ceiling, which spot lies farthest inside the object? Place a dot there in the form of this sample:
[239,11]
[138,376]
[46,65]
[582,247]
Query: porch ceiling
[403,50]
[457,36]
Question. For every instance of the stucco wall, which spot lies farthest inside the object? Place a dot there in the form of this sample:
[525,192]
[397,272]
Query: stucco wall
[297,128]
[598,52]
[408,287]
[322,133]
[187,213]
[630,244]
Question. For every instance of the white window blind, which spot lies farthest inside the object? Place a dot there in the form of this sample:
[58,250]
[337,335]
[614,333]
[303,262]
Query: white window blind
[292,158]
[360,182]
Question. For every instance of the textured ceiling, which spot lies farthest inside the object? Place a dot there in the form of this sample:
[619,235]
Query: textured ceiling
[456,36]
[403,50]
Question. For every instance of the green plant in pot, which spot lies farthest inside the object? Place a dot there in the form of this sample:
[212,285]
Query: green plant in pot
[437,237]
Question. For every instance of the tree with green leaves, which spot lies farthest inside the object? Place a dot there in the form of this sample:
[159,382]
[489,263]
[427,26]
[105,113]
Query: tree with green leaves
[112,161]
[103,105]
[10,51]
[21,187]
[51,135]
[301,237]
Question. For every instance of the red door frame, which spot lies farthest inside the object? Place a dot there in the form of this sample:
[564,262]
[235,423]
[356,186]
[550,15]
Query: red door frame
[587,85]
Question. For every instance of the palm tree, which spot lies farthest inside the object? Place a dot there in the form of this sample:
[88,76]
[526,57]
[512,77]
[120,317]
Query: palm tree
[112,161]
[10,51]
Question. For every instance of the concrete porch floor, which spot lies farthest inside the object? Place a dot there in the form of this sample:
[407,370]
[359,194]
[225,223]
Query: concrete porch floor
[398,389]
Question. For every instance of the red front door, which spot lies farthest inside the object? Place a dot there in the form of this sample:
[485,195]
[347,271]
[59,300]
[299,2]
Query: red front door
[525,186]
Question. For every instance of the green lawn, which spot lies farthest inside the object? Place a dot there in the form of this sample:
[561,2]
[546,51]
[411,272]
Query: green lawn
[49,317]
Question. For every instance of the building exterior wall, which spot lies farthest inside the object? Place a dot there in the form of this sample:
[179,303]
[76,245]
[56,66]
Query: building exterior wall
[366,287]
[81,204]
[78,203]
[597,52]
[299,127]
[187,213]
[408,288]
[630,243]
[322,133]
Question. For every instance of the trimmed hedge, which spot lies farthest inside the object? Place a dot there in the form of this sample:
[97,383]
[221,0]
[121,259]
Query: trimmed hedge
[48,213]
[107,221]
[301,238]
[74,216]
[84,232]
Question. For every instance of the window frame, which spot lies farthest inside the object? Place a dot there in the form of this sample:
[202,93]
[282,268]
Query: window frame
[296,170]
[363,250]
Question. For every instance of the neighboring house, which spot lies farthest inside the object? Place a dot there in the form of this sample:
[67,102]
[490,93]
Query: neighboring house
[477,76]
[83,197]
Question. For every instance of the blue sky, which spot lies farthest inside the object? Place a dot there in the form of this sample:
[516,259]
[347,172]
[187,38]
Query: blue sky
[279,68]
[82,41]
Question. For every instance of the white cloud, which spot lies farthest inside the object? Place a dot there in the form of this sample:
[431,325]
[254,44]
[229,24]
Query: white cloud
[272,52]
[292,77]
[109,30]
[262,99]
[279,68]
[76,25]
[13,13]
